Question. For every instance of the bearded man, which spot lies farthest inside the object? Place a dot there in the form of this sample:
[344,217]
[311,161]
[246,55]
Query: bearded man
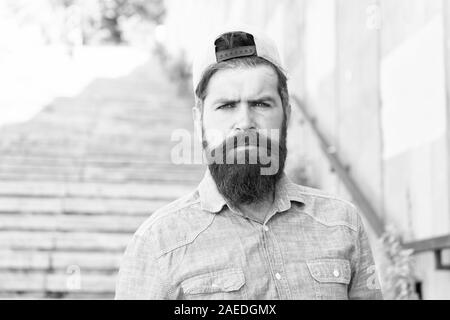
[247,231]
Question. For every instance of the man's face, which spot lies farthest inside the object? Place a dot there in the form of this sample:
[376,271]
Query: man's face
[241,99]
[243,117]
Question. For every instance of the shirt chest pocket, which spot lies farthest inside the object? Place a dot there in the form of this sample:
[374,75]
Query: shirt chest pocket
[224,284]
[331,277]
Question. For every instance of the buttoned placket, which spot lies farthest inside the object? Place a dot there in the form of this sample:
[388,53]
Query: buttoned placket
[275,262]
[272,254]
[275,259]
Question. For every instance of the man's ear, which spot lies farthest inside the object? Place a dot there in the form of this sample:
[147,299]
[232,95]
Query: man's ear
[288,114]
[196,114]
[197,117]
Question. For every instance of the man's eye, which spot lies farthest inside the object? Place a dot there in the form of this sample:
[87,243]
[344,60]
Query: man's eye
[261,104]
[225,106]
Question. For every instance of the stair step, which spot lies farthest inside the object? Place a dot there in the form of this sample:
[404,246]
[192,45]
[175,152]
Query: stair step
[104,262]
[64,241]
[70,223]
[87,156]
[80,206]
[68,160]
[162,153]
[55,296]
[89,169]
[92,190]
[91,175]
[56,283]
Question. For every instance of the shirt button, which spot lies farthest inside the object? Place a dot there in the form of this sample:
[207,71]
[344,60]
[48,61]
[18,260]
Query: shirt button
[266,228]
[336,273]
[278,276]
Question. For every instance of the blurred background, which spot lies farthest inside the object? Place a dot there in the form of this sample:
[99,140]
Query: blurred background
[91,91]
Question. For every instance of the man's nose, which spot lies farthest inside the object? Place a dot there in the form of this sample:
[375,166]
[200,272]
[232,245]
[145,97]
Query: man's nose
[244,118]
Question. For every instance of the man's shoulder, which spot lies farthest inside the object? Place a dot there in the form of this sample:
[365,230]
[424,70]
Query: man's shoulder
[175,224]
[327,208]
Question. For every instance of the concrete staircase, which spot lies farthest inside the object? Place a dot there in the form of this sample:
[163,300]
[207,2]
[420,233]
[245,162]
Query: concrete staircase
[79,178]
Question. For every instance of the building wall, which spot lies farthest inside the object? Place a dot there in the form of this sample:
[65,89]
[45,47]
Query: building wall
[413,92]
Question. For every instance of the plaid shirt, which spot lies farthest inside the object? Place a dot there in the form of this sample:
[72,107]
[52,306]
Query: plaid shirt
[311,246]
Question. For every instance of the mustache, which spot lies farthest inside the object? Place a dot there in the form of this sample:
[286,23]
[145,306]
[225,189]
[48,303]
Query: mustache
[245,138]
[264,153]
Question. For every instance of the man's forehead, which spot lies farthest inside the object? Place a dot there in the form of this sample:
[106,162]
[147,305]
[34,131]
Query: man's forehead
[249,82]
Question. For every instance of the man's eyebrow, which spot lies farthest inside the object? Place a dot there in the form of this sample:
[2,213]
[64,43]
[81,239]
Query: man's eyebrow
[224,100]
[231,101]
[263,98]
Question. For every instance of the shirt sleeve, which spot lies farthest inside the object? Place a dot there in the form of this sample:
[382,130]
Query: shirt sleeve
[365,283]
[139,275]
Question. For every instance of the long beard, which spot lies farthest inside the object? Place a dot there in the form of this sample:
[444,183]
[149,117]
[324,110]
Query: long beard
[244,183]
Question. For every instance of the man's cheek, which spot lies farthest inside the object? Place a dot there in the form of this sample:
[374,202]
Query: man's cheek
[214,137]
[270,134]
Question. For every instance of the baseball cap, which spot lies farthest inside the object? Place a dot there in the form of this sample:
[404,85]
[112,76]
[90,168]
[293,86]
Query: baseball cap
[230,42]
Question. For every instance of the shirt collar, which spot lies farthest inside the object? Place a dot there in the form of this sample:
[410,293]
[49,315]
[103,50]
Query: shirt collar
[286,192]
[210,197]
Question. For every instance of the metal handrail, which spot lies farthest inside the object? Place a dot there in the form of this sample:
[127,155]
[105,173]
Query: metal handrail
[429,244]
[330,152]
[436,244]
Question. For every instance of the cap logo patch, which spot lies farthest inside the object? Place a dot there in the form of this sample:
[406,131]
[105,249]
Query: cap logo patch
[234,45]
